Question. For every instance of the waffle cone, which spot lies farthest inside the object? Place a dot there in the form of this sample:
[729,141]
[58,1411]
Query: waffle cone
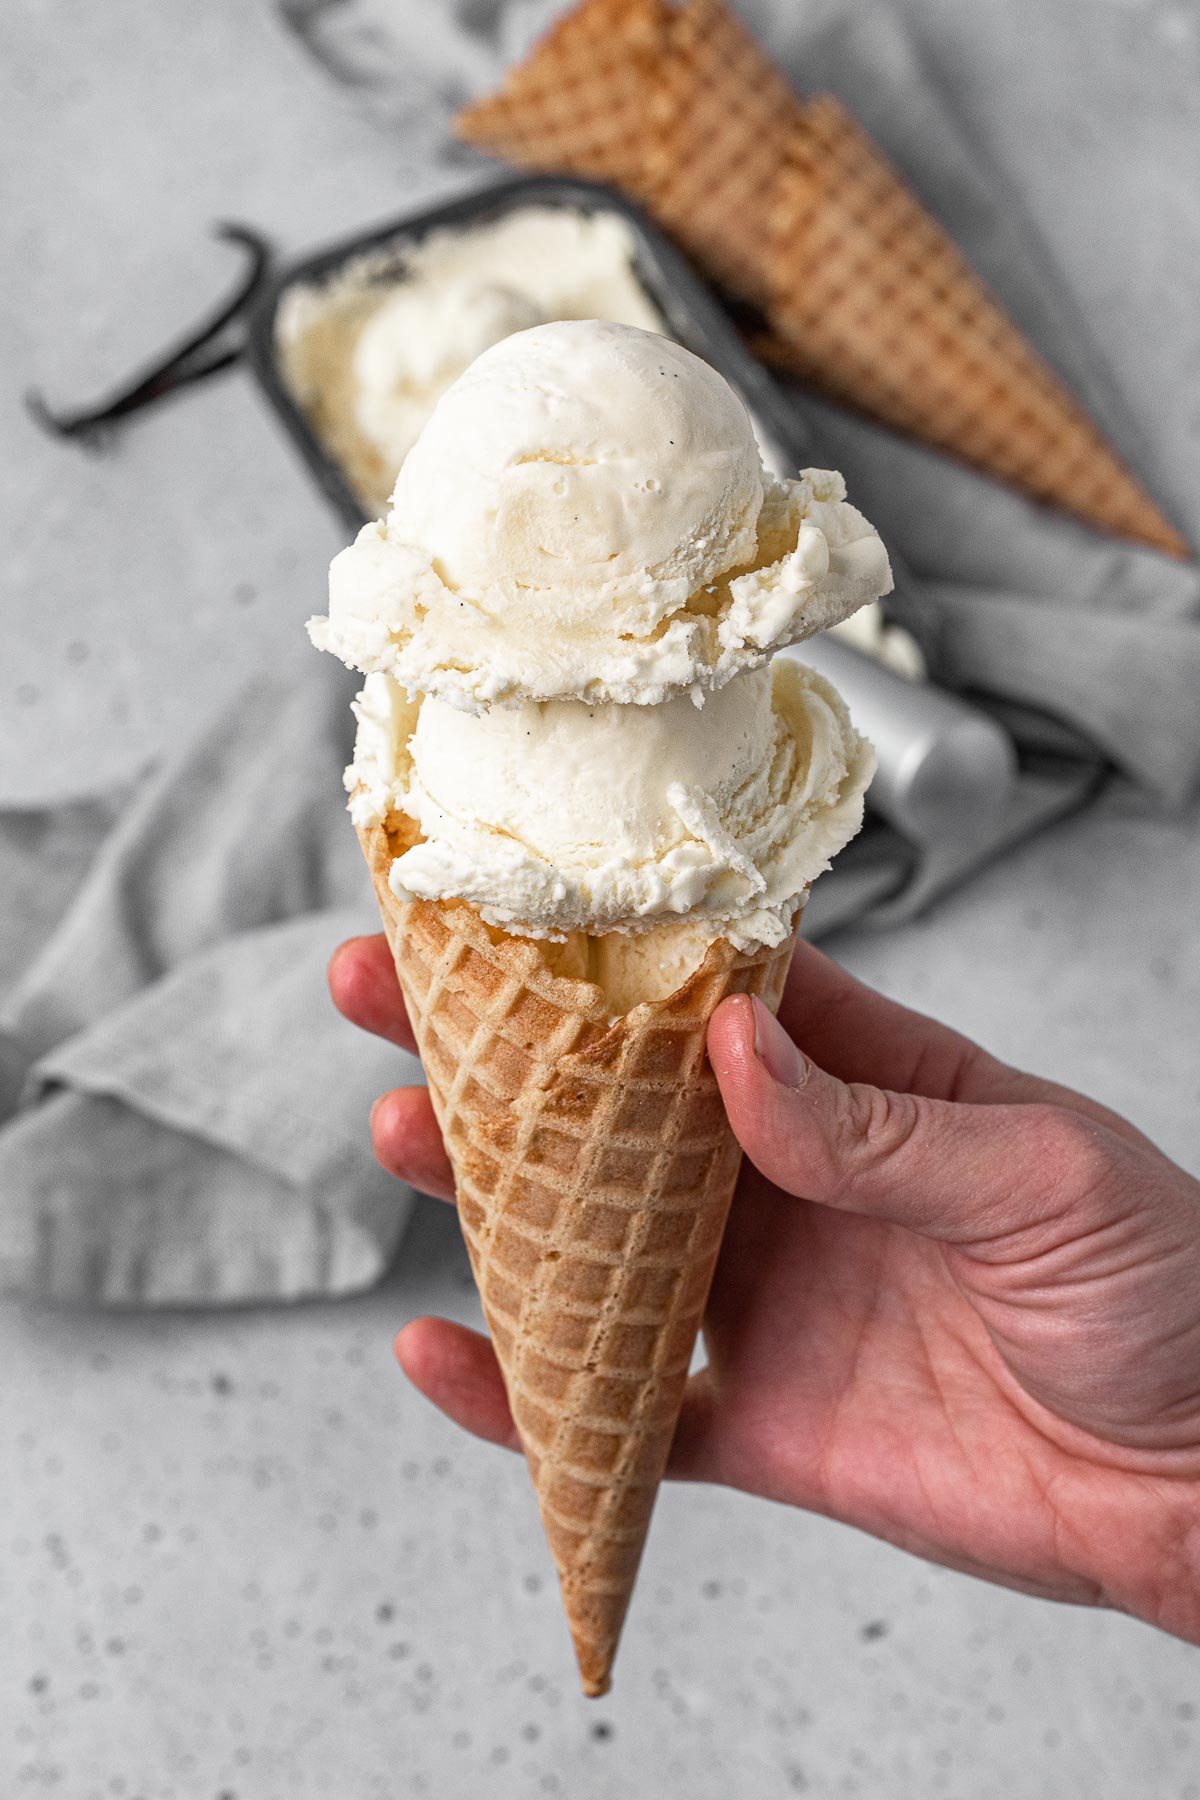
[581,102]
[593,1168]
[872,302]
[723,119]
[791,206]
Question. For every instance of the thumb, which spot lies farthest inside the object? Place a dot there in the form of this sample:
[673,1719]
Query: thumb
[959,1173]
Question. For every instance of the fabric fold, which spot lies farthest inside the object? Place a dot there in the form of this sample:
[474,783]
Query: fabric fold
[192,1121]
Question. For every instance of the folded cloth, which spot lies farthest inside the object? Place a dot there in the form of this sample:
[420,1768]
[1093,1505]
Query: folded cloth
[44,855]
[187,1113]
[1019,603]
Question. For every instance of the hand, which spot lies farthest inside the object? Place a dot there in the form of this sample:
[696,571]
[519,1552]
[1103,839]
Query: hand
[956,1306]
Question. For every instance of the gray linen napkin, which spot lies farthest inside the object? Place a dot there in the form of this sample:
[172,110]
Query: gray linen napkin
[193,1125]
[1016,602]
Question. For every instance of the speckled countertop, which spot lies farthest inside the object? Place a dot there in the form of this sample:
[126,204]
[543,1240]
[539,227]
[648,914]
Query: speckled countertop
[239,1559]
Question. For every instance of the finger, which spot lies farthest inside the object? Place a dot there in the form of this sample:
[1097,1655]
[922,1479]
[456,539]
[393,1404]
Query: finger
[362,981]
[408,1142]
[968,1175]
[857,1034]
[457,1370]
[694,1450]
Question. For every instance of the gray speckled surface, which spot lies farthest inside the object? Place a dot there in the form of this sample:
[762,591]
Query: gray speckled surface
[239,1559]
[243,1560]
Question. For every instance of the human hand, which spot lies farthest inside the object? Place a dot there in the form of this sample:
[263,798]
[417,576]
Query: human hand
[956,1306]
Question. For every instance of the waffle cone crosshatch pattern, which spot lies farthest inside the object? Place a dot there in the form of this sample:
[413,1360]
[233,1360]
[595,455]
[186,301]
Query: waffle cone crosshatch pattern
[594,1167]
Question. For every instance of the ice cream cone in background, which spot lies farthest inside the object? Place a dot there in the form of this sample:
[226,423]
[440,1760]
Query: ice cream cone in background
[593,1168]
[723,119]
[790,206]
[871,301]
[581,102]
[592,806]
[679,106]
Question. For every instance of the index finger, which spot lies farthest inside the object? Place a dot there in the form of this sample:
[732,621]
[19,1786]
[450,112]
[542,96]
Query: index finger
[362,981]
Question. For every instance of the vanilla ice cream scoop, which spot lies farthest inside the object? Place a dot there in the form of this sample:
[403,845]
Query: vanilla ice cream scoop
[587,463]
[561,817]
[586,516]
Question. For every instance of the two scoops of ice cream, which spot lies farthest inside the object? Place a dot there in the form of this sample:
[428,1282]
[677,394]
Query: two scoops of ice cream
[593,801]
[567,621]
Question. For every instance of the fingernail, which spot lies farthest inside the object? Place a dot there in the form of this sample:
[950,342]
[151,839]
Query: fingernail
[775,1050]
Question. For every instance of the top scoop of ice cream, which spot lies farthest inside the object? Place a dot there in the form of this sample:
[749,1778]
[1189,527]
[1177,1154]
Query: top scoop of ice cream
[600,474]
[586,516]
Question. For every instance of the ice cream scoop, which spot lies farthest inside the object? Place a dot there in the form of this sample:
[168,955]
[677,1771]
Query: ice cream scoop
[561,817]
[587,463]
[586,516]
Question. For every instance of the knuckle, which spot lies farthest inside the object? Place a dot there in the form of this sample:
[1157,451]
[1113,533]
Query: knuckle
[1074,1153]
[877,1127]
[387,1129]
[971,1068]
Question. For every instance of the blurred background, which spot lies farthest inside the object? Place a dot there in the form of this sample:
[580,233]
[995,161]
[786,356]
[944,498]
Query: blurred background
[239,1558]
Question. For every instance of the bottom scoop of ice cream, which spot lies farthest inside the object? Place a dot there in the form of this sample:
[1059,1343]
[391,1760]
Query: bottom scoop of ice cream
[560,817]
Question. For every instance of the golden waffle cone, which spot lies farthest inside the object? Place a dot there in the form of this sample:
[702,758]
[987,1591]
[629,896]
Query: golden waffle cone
[680,106]
[593,1168]
[580,103]
[872,302]
[724,116]
[792,207]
